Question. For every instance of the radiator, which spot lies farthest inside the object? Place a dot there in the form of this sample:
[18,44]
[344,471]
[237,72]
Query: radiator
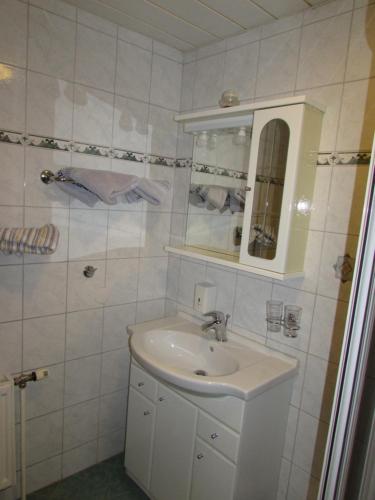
[7,433]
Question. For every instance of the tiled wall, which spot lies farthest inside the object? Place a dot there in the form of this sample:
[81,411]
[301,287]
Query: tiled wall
[328,54]
[67,75]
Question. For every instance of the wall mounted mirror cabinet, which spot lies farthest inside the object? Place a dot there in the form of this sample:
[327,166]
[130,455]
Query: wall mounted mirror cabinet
[252,182]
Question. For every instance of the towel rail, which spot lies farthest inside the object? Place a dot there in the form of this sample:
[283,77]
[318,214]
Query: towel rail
[47,176]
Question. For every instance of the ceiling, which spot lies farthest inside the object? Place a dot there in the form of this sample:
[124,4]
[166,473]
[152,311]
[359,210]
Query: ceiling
[188,24]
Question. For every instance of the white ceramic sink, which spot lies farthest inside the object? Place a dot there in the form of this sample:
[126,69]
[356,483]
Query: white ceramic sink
[175,350]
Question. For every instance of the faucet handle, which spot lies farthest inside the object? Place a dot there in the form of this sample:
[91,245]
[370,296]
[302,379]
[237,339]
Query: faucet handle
[216,315]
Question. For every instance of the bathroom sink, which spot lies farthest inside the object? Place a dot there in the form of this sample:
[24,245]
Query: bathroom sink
[185,352]
[178,352]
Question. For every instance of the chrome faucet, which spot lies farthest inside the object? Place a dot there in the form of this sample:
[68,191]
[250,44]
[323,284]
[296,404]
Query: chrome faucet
[218,325]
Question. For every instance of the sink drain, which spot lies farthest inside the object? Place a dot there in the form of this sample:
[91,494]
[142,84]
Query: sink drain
[203,373]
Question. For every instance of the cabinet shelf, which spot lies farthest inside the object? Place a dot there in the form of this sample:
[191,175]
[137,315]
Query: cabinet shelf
[228,260]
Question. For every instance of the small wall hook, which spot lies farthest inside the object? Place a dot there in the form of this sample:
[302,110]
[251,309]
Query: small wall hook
[89,271]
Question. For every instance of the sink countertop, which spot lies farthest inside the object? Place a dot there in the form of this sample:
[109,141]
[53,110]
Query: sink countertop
[259,367]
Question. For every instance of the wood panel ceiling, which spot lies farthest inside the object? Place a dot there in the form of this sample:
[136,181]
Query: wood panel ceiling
[189,24]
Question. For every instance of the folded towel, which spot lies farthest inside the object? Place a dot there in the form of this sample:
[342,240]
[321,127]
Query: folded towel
[21,240]
[149,190]
[216,196]
[90,185]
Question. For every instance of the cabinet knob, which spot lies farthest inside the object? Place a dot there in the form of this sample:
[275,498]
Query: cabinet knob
[200,456]
[141,384]
[147,412]
[162,398]
[214,435]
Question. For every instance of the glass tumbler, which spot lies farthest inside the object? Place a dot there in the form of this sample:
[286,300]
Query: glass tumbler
[292,320]
[274,315]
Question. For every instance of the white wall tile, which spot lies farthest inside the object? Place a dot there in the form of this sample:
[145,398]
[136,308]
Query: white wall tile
[93,116]
[130,124]
[43,437]
[115,370]
[42,474]
[165,82]
[12,98]
[283,479]
[49,106]
[51,44]
[162,134]
[328,328]
[290,434]
[13,24]
[121,285]
[278,56]
[84,293]
[302,485]
[95,67]
[87,234]
[79,458]
[318,388]
[111,444]
[330,97]
[150,310]
[240,70]
[133,76]
[190,273]
[281,25]
[43,341]
[362,40]
[47,395]
[348,183]
[155,234]
[82,379]
[80,423]
[44,289]
[112,412]
[11,347]
[323,50]
[116,320]
[250,304]
[248,36]
[84,331]
[225,282]
[188,75]
[309,449]
[152,278]
[10,293]
[124,234]
[11,175]
[10,217]
[357,116]
[208,85]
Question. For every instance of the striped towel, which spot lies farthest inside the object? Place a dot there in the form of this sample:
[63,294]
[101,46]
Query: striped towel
[21,240]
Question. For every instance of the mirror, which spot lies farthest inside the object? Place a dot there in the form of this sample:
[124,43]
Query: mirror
[217,189]
[268,189]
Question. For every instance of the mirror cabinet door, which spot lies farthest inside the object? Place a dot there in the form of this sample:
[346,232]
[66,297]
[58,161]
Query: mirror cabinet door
[268,189]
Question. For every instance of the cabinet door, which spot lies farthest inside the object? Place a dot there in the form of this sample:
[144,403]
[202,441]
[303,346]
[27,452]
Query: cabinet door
[173,446]
[273,165]
[139,437]
[213,475]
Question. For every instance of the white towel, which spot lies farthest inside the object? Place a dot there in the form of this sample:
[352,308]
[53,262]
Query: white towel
[216,196]
[90,186]
[32,240]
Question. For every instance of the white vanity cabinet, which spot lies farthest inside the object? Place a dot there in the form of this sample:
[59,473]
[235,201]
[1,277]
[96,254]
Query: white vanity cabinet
[186,446]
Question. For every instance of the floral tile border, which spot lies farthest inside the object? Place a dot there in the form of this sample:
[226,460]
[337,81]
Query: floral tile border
[80,147]
[344,158]
[324,158]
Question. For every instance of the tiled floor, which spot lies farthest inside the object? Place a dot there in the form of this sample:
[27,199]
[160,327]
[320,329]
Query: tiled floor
[104,481]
